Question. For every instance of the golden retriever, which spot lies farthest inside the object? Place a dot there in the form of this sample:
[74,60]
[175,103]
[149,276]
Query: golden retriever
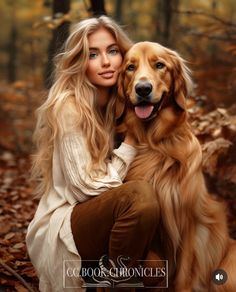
[193,236]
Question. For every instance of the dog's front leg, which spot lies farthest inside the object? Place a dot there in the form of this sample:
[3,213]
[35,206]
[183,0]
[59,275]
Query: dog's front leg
[185,259]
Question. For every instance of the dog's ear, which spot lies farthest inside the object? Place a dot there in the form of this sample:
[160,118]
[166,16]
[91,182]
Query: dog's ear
[120,100]
[182,81]
[119,108]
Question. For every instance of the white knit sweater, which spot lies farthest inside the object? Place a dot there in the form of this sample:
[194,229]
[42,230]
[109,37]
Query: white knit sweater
[49,238]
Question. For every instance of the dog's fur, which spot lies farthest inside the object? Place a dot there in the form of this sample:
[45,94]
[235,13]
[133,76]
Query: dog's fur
[193,233]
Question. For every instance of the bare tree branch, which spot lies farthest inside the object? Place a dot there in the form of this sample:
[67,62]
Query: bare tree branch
[202,13]
[14,273]
[211,37]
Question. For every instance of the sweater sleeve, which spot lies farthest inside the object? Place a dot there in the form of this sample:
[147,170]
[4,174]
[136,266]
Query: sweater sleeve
[75,157]
[122,158]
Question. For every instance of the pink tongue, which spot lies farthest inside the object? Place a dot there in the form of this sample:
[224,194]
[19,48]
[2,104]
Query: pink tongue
[144,111]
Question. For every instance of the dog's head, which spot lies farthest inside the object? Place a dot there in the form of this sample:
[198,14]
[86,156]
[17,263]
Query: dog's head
[152,77]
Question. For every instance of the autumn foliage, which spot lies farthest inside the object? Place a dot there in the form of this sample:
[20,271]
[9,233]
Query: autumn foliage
[203,32]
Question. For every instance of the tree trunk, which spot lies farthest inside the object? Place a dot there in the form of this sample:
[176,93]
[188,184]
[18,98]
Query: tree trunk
[212,45]
[118,11]
[98,7]
[12,48]
[167,21]
[12,54]
[60,34]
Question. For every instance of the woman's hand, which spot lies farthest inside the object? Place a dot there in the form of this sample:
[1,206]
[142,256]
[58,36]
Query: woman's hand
[130,140]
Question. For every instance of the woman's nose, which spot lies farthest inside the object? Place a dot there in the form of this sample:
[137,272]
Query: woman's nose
[105,60]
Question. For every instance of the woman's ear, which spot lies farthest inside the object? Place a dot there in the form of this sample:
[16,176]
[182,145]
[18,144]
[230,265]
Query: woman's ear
[182,81]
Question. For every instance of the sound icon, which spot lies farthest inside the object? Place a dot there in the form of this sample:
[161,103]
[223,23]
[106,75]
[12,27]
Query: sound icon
[219,277]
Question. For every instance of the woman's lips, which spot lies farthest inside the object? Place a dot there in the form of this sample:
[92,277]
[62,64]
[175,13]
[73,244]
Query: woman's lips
[107,74]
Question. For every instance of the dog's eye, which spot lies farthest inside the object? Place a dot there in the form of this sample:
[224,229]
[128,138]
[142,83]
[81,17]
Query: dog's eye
[160,65]
[130,67]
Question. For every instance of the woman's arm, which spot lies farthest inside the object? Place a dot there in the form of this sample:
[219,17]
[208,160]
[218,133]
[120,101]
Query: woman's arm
[74,159]
[130,140]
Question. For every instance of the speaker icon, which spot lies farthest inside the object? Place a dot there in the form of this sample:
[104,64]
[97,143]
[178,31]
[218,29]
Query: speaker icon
[219,277]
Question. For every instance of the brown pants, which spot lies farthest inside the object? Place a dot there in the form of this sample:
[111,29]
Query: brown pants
[120,221]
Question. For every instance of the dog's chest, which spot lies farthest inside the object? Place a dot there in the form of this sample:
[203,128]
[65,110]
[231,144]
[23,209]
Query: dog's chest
[150,165]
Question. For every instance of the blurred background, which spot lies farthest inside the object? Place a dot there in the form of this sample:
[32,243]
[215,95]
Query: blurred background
[32,32]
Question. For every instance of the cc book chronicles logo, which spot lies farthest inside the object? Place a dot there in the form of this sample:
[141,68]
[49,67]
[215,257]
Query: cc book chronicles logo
[107,273]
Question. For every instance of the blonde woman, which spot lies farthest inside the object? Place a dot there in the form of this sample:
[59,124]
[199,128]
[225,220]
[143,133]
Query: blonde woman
[85,211]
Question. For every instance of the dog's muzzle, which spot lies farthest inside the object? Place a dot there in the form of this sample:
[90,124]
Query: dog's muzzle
[144,107]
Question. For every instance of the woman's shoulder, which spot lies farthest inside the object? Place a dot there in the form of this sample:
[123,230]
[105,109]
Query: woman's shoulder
[68,107]
[68,115]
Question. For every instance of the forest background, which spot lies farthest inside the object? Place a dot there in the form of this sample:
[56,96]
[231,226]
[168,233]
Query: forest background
[202,31]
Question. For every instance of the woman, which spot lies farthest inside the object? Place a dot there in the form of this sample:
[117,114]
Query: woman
[85,211]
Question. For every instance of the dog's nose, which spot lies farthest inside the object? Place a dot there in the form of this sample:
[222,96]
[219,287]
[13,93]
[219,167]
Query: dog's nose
[143,88]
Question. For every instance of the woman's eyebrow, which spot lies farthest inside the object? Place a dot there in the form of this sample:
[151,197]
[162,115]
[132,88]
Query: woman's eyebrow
[108,47]
[112,45]
[93,48]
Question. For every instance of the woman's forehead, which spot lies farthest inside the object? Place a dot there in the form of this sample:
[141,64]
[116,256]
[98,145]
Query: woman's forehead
[101,37]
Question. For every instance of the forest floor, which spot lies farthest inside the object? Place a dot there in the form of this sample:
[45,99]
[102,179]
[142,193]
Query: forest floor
[215,128]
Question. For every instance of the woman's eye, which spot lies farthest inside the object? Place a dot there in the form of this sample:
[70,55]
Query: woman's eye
[92,55]
[130,68]
[113,51]
[160,65]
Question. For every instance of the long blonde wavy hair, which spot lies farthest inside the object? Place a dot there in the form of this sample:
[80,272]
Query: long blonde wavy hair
[71,82]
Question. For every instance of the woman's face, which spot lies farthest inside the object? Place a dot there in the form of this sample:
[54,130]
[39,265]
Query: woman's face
[105,59]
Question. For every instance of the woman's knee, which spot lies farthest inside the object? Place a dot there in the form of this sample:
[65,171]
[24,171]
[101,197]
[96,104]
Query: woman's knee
[138,197]
[142,196]
[142,191]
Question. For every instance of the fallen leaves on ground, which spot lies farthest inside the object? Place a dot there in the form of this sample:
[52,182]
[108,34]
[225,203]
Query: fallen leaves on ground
[16,211]
[216,131]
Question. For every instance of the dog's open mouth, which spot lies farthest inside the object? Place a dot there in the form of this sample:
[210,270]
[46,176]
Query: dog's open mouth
[145,110]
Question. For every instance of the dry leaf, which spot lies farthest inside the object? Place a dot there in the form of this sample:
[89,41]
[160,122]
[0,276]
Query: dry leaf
[20,288]
[9,236]
[19,245]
